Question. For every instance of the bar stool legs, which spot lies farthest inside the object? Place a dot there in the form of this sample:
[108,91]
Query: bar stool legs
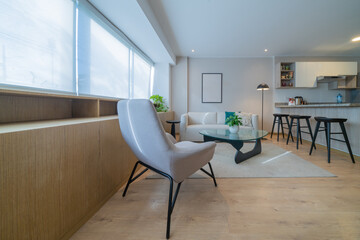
[278,119]
[327,128]
[347,141]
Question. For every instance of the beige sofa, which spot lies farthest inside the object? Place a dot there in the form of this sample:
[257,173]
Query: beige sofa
[193,122]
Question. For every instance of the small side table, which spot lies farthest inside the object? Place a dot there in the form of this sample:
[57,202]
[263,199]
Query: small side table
[173,122]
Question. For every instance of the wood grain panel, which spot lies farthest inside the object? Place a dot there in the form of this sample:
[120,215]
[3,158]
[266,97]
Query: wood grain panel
[15,108]
[49,152]
[17,187]
[108,108]
[85,108]
[52,180]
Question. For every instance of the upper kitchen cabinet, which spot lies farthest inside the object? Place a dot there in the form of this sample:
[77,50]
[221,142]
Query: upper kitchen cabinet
[307,74]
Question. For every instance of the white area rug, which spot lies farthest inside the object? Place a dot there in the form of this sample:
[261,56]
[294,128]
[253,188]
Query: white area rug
[272,162]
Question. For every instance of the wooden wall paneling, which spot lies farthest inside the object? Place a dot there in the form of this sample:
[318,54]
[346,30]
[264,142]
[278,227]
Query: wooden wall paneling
[116,157]
[17,186]
[85,108]
[17,108]
[108,108]
[50,152]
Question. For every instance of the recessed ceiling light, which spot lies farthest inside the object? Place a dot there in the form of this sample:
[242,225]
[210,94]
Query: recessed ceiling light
[355,39]
[192,50]
[265,50]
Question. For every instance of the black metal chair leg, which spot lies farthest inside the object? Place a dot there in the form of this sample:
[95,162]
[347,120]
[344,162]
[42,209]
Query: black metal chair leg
[328,133]
[129,181]
[171,204]
[282,127]
[347,141]
[297,133]
[287,122]
[290,127]
[314,139]
[272,130]
[311,135]
[213,175]
[278,131]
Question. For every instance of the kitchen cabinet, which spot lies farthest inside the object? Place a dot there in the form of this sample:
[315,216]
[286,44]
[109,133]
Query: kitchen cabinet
[307,72]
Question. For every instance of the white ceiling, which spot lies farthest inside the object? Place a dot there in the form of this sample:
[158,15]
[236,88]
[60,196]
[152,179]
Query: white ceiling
[244,28]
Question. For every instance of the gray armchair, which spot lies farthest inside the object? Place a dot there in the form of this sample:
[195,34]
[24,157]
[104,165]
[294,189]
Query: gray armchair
[159,151]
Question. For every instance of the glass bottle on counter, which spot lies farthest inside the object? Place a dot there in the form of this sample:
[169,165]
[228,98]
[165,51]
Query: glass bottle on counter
[339,98]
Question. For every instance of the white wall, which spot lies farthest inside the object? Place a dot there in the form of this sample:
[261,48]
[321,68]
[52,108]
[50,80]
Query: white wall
[162,84]
[241,76]
[179,87]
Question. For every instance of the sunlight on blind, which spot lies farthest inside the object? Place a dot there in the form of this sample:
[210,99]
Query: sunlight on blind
[103,61]
[142,76]
[36,44]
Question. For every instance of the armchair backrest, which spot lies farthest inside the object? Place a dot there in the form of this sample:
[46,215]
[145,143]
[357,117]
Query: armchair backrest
[144,133]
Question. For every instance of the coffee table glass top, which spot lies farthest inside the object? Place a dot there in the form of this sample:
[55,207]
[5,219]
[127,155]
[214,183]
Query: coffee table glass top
[242,135]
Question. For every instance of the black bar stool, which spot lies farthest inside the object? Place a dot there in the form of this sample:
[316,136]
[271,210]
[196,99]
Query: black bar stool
[327,128]
[278,119]
[298,129]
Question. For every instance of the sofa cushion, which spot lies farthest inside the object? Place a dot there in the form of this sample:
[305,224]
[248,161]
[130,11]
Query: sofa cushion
[209,118]
[220,117]
[228,114]
[245,119]
[196,117]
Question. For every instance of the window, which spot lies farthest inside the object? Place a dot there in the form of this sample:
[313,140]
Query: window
[40,48]
[36,44]
[142,78]
[103,61]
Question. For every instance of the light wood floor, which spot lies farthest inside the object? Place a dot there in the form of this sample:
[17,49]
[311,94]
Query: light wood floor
[241,208]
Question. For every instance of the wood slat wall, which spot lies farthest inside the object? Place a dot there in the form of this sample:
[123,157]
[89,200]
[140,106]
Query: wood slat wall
[53,179]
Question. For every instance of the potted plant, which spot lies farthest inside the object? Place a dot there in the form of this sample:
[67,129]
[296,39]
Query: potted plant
[234,121]
[159,103]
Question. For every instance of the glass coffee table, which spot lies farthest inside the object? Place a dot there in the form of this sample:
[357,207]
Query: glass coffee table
[237,140]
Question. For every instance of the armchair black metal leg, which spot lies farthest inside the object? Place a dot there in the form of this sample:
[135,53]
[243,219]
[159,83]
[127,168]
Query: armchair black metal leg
[171,204]
[212,175]
[272,130]
[287,122]
[315,134]
[347,141]
[130,179]
[290,127]
[311,135]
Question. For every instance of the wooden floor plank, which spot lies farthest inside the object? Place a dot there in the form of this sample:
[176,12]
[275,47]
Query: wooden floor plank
[240,208]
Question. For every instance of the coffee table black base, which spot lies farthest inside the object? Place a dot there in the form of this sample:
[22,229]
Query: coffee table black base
[239,156]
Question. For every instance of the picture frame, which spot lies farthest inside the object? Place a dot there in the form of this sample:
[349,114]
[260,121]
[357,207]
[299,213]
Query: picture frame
[211,88]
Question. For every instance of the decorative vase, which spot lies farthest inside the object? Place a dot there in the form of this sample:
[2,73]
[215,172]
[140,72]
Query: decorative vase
[234,129]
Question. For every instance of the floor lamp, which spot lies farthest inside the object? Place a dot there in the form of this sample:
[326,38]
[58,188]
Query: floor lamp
[262,87]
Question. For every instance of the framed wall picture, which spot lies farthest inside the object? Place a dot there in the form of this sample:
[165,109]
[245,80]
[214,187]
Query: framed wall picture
[211,88]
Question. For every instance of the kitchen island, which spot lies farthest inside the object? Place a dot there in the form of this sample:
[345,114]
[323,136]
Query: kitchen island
[351,111]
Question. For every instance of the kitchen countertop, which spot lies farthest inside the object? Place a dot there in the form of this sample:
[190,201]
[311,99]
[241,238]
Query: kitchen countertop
[317,105]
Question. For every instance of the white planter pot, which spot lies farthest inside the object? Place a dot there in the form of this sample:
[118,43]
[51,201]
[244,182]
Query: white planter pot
[234,129]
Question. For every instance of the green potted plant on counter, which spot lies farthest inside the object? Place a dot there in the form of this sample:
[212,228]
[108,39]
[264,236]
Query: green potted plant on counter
[234,121]
[159,103]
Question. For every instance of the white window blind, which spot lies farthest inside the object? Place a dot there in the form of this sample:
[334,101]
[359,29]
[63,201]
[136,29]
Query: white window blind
[142,78]
[37,44]
[103,60]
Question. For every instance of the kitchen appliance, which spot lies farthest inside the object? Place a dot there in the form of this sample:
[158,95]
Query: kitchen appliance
[299,100]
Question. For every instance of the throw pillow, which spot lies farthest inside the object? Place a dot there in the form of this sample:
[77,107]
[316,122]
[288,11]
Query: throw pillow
[246,119]
[228,114]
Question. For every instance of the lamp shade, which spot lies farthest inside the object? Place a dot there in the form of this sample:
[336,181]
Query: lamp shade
[263,86]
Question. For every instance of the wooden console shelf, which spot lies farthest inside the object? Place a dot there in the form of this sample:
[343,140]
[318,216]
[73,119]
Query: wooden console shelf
[21,106]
